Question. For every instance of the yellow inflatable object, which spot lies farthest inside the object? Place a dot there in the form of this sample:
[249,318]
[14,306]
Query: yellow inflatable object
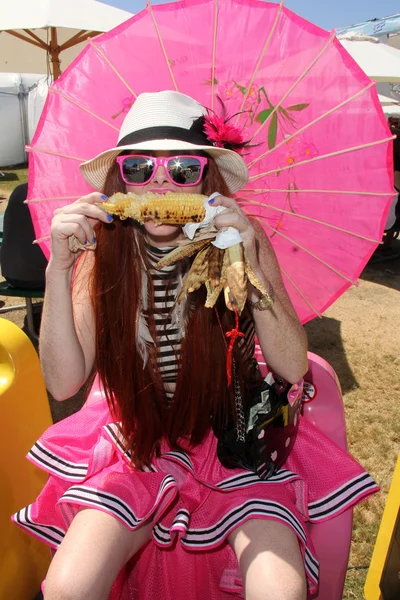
[383,579]
[25,414]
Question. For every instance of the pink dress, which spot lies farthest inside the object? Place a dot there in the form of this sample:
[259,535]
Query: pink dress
[192,501]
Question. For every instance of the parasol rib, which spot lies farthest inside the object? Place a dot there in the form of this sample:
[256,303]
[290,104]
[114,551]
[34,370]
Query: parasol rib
[69,99]
[354,192]
[263,51]
[107,60]
[41,239]
[45,151]
[214,52]
[296,83]
[32,200]
[150,10]
[301,293]
[315,158]
[307,251]
[299,216]
[317,120]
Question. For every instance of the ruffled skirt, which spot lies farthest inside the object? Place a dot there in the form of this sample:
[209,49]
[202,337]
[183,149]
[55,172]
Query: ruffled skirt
[192,501]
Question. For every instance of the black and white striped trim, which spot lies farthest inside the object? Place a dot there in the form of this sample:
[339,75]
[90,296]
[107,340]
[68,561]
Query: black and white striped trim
[113,504]
[248,478]
[47,533]
[112,429]
[212,536]
[342,497]
[312,565]
[55,464]
[180,523]
[162,535]
[209,537]
[93,497]
[180,457]
[181,520]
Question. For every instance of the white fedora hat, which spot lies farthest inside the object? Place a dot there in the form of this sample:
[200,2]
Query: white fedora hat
[165,121]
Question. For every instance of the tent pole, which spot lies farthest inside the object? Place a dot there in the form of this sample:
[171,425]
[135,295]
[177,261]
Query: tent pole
[23,99]
[55,53]
[39,44]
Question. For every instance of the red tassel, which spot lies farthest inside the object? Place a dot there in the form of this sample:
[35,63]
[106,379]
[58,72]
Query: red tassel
[233,335]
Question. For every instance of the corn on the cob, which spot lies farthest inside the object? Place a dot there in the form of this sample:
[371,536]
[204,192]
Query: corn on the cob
[236,277]
[169,208]
[184,251]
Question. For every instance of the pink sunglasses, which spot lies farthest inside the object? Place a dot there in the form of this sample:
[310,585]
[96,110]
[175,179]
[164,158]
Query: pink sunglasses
[183,170]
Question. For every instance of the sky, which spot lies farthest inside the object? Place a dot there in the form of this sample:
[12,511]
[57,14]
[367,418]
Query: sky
[328,14]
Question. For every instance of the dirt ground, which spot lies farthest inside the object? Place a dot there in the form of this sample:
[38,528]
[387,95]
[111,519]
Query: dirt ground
[360,337]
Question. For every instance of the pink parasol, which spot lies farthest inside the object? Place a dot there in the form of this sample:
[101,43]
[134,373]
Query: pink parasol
[321,160]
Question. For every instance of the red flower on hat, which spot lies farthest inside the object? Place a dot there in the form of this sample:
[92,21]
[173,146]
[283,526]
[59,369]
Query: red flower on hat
[222,133]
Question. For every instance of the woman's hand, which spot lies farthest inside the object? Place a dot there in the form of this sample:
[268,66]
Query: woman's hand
[281,337]
[78,219]
[233,216]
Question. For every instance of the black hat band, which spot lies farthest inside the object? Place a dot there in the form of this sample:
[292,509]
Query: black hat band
[165,132]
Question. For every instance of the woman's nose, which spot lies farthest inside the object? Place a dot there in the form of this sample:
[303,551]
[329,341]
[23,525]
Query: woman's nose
[161,175]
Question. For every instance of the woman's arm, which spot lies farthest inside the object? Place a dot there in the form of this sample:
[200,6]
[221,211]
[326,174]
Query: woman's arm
[281,336]
[67,333]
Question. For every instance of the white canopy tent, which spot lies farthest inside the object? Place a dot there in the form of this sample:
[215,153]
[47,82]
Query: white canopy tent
[392,110]
[379,61]
[387,101]
[51,28]
[394,41]
[21,101]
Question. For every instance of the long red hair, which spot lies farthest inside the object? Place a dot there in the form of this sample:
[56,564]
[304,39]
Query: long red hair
[135,393]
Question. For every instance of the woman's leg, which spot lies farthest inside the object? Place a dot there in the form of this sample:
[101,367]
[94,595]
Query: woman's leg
[95,548]
[270,561]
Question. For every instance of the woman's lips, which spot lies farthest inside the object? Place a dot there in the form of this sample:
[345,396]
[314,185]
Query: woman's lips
[162,191]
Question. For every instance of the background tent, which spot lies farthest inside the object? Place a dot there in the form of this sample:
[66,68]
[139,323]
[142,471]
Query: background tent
[379,61]
[37,35]
[16,127]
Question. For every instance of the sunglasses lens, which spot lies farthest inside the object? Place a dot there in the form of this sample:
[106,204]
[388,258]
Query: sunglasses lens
[137,169]
[185,170]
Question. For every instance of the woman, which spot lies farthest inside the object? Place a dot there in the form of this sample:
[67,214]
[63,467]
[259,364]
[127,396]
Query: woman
[151,494]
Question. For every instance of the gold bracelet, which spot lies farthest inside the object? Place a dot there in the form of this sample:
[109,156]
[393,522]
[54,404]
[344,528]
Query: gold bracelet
[265,302]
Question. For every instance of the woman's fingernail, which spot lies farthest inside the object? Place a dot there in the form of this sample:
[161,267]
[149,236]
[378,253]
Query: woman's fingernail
[103,197]
[109,218]
[85,242]
[93,240]
[211,201]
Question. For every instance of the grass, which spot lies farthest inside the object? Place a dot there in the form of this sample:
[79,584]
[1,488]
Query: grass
[360,337]
[14,176]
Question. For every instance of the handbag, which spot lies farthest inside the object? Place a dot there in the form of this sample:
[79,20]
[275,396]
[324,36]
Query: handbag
[266,424]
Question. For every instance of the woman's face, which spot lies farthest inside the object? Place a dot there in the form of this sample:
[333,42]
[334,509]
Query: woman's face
[163,235]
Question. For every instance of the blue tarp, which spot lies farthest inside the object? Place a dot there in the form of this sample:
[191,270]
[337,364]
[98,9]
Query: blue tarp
[375,27]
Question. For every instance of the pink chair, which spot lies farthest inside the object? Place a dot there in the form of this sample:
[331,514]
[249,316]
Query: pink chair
[324,409]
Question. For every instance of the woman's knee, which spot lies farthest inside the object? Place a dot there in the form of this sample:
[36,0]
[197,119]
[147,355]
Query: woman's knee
[266,586]
[63,585]
[68,579]
[270,561]
[94,550]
